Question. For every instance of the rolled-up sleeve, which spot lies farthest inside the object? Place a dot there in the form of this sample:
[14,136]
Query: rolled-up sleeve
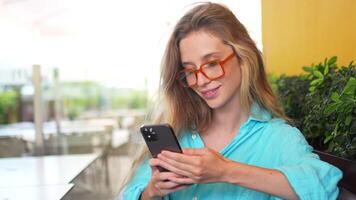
[138,182]
[310,177]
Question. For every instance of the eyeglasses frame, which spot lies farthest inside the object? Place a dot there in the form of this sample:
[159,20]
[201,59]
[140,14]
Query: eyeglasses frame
[196,71]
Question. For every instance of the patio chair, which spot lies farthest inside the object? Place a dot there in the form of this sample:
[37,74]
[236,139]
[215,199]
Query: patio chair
[12,147]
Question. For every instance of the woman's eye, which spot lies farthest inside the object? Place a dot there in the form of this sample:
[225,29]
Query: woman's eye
[212,64]
[189,73]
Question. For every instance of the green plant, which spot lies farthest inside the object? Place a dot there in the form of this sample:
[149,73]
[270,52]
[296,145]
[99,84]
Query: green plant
[135,99]
[273,79]
[8,106]
[292,91]
[80,96]
[323,104]
[138,100]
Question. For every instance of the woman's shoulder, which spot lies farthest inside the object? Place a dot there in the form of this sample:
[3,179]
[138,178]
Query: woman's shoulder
[281,129]
[285,138]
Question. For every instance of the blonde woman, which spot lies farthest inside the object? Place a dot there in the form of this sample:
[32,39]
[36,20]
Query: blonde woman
[235,139]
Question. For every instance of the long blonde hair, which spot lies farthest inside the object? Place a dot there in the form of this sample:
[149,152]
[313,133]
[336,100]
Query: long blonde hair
[184,109]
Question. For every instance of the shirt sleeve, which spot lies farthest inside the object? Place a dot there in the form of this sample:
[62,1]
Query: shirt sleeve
[310,177]
[138,182]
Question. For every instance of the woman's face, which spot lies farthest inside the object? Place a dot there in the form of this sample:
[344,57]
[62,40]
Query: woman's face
[201,47]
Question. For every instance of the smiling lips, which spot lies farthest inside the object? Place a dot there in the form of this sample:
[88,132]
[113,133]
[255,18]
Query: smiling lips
[211,93]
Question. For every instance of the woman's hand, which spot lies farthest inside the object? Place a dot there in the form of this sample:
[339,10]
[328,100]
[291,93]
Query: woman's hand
[194,165]
[206,165]
[159,184]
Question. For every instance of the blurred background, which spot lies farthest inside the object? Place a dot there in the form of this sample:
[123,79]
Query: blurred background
[79,77]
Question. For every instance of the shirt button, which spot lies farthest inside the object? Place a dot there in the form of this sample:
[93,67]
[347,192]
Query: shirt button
[195,198]
[194,135]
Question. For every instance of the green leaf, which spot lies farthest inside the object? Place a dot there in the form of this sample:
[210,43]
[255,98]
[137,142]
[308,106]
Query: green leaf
[348,120]
[350,87]
[332,60]
[312,89]
[316,82]
[331,146]
[308,69]
[333,65]
[335,97]
[319,65]
[318,74]
[331,108]
[326,70]
[327,139]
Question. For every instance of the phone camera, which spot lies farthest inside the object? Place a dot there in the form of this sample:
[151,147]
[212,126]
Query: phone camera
[149,134]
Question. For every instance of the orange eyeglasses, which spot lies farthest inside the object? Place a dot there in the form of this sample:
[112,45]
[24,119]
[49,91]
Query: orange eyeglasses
[212,70]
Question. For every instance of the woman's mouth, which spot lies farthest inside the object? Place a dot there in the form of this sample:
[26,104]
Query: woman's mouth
[210,94]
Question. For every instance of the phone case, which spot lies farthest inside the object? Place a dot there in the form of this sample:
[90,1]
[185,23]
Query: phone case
[160,137]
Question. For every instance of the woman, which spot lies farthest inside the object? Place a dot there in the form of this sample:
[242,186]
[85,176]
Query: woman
[228,121]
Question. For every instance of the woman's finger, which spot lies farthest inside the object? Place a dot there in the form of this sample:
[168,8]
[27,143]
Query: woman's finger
[167,185]
[181,187]
[191,151]
[173,169]
[182,158]
[166,175]
[182,180]
[177,164]
[153,162]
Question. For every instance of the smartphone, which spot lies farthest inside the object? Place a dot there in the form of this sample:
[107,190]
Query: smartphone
[159,137]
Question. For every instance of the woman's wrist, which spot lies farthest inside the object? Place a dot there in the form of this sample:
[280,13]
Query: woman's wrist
[231,173]
[147,194]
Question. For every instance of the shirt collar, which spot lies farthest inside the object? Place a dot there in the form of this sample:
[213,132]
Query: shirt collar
[257,113]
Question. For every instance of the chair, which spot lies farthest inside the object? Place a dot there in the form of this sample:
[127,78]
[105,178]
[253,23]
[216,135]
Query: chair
[347,184]
[12,147]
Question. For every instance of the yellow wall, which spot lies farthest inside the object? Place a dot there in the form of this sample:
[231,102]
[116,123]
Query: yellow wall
[296,33]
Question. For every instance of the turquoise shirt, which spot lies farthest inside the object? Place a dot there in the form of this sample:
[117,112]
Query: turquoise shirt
[262,141]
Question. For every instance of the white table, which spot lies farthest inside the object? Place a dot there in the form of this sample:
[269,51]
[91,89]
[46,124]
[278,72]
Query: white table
[52,192]
[26,130]
[42,171]
[119,137]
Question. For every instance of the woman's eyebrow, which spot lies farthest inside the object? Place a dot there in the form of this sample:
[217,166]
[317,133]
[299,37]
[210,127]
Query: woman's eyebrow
[203,58]
[212,54]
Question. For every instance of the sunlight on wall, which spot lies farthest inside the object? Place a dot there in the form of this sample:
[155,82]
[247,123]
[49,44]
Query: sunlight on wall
[297,33]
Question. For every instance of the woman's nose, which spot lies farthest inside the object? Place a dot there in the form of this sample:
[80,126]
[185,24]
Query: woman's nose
[201,79]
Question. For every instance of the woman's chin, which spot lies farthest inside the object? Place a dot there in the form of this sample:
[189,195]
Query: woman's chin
[213,103]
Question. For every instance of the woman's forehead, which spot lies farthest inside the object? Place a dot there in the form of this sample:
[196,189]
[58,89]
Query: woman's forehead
[200,45]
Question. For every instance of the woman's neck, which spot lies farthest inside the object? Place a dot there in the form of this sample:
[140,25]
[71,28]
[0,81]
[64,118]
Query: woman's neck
[229,118]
